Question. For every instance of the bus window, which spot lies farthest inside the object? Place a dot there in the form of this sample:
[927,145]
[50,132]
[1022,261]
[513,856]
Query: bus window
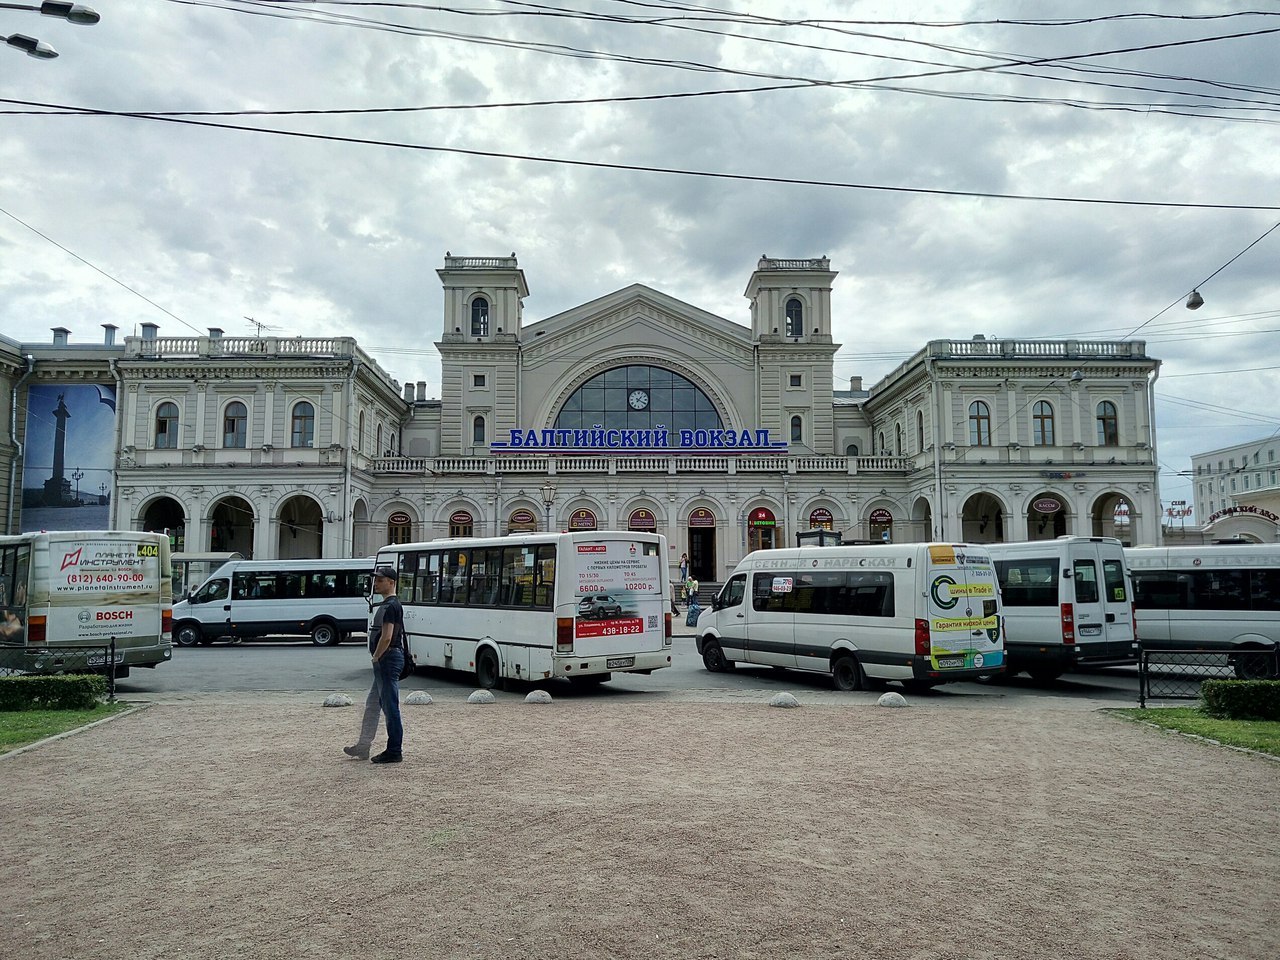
[290,586]
[545,565]
[486,575]
[211,591]
[1086,577]
[1264,589]
[1113,579]
[517,577]
[453,577]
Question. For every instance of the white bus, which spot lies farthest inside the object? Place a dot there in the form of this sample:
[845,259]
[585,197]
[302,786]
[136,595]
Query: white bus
[919,613]
[1210,597]
[326,600]
[84,589]
[576,606]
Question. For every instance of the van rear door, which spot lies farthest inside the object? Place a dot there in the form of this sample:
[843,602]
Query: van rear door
[1101,605]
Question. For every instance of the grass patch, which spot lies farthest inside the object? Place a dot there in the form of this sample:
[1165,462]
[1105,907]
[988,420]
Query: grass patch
[1260,735]
[20,727]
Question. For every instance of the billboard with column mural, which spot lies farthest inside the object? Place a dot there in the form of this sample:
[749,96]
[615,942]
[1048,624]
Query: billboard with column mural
[68,456]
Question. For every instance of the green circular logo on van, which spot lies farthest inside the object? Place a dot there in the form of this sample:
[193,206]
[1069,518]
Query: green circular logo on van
[950,601]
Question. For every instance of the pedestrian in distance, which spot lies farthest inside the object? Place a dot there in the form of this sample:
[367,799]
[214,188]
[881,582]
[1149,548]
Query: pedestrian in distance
[388,647]
[684,567]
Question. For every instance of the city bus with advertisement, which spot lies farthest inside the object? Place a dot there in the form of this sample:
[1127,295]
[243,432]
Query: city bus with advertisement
[531,607]
[65,590]
[919,613]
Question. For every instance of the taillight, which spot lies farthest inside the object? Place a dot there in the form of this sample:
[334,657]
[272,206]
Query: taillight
[922,638]
[1133,619]
[166,620]
[1068,623]
[564,635]
[668,625]
[36,629]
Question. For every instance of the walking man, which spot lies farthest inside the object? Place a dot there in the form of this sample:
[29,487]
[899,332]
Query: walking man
[387,644]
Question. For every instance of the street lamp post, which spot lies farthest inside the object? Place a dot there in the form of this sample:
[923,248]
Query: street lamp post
[548,498]
[76,474]
[71,12]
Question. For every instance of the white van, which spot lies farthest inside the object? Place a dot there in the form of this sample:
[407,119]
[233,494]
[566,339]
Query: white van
[1211,596]
[1067,602]
[327,600]
[920,613]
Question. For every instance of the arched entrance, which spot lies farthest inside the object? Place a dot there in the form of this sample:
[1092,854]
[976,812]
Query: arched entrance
[1114,516]
[880,525]
[702,544]
[462,524]
[583,519]
[301,530]
[922,520]
[361,535]
[762,529]
[1046,517]
[231,523]
[165,515]
[522,521]
[982,519]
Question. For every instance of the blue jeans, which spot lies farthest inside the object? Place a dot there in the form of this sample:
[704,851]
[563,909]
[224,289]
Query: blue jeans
[384,699]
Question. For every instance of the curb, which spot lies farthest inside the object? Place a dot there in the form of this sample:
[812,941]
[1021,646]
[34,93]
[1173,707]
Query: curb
[134,708]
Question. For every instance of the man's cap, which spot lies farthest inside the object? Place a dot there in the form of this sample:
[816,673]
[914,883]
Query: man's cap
[385,571]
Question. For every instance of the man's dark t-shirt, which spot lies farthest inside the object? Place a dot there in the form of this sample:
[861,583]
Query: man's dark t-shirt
[389,611]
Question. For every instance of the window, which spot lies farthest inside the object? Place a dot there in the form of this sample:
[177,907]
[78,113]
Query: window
[851,450]
[477,430]
[884,449]
[304,425]
[1042,424]
[638,398]
[1085,574]
[1113,579]
[377,446]
[1030,582]
[897,439]
[797,429]
[835,593]
[796,380]
[399,529]
[979,424]
[167,426]
[477,380]
[1108,430]
[1233,484]
[920,430]
[479,317]
[360,434]
[795,318]
[235,419]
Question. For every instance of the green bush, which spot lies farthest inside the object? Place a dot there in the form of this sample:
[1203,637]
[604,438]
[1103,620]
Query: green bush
[1242,699]
[61,692]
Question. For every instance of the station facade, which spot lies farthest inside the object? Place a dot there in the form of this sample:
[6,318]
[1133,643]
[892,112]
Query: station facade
[632,411]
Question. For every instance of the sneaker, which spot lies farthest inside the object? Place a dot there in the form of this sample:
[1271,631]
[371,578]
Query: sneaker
[385,757]
[359,752]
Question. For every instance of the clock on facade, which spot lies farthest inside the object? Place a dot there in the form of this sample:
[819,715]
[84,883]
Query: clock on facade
[639,399]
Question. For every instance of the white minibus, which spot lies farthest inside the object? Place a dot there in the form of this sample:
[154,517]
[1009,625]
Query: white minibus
[920,613]
[192,569]
[576,606]
[327,600]
[1210,597]
[85,589]
[1068,602]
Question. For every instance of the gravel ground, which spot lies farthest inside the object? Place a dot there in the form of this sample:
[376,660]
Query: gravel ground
[624,830]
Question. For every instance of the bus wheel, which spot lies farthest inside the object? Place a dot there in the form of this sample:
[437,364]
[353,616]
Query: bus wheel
[186,635]
[1256,666]
[325,634]
[847,673]
[487,668]
[713,657]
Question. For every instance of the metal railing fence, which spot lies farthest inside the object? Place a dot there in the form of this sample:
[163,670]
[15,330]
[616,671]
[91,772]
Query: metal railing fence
[39,659]
[1176,674]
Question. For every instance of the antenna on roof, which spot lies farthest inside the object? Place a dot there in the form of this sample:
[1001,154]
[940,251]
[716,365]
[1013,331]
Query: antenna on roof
[260,325]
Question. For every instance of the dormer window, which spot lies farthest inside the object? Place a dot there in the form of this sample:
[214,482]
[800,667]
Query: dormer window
[479,317]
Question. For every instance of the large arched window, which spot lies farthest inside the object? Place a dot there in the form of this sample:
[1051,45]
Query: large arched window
[235,422]
[479,317]
[1108,425]
[979,424]
[797,429]
[1042,424]
[303,425]
[851,450]
[638,398]
[795,318]
[167,426]
[477,430]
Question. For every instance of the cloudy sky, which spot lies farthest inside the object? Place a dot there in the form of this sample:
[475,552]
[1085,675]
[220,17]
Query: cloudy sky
[308,165]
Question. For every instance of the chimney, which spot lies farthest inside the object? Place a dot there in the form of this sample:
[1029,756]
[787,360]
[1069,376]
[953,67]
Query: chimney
[109,334]
[60,335]
[408,392]
[422,390]
[149,331]
[855,383]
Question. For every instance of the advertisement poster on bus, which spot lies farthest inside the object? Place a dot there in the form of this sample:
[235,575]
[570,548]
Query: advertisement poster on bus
[100,589]
[618,589]
[964,625]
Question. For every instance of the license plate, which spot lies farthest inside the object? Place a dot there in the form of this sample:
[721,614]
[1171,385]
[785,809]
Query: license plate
[1091,630]
[951,661]
[619,662]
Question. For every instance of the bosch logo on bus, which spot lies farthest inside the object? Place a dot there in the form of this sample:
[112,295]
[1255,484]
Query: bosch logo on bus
[102,615]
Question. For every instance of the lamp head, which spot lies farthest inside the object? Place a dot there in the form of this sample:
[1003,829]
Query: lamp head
[1195,301]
